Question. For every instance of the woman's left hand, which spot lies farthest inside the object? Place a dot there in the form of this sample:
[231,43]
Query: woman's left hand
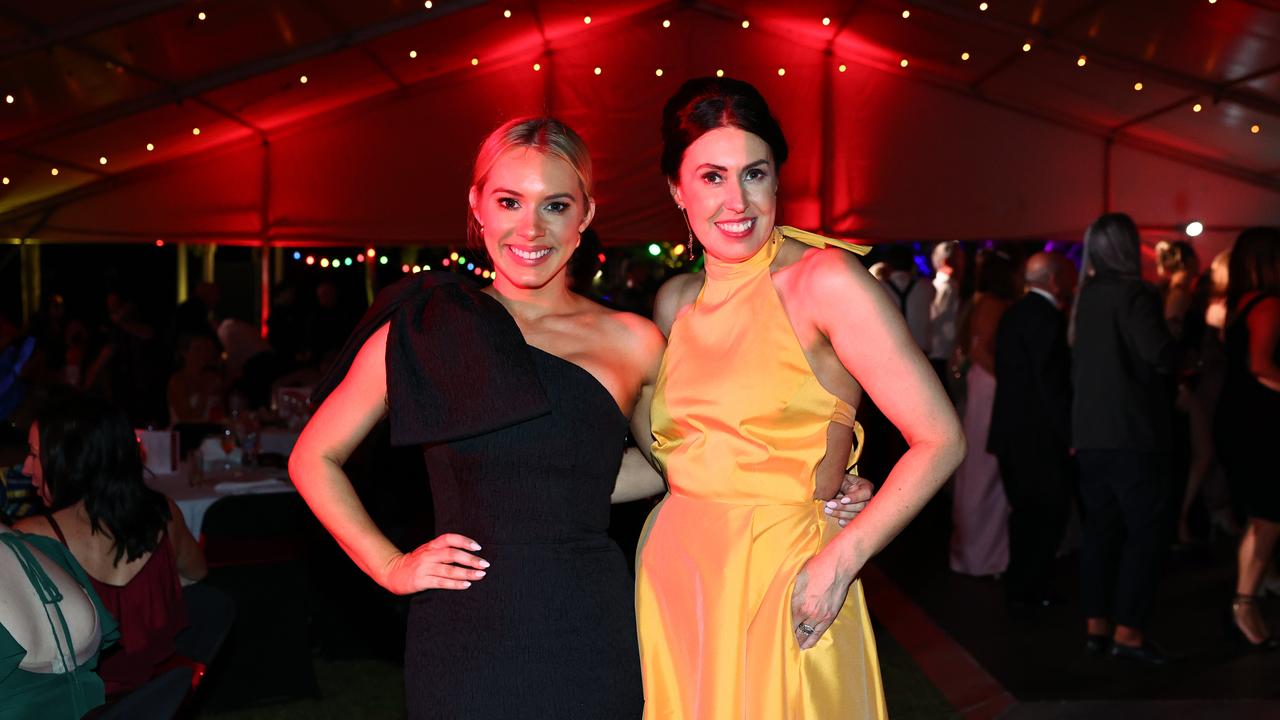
[819,593]
[855,493]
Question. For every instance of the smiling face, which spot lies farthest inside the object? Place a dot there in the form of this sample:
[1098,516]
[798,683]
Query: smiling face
[532,209]
[728,184]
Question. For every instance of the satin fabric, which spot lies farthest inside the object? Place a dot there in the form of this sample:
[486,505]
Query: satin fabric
[740,423]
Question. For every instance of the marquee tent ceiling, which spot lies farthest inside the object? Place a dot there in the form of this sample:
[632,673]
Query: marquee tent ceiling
[334,121]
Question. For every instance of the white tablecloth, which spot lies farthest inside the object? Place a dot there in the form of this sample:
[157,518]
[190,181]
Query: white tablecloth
[194,502]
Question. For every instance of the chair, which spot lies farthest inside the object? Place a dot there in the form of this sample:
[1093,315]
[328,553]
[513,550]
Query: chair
[257,547]
[210,613]
[159,699]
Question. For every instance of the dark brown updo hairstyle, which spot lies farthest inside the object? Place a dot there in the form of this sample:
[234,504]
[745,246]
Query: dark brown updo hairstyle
[706,103]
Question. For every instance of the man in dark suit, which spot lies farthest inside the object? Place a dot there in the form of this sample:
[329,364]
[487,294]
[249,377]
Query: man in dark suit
[1030,431]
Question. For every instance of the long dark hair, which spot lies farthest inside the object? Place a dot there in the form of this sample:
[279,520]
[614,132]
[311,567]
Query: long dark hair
[1254,265]
[88,452]
[706,103]
[1112,249]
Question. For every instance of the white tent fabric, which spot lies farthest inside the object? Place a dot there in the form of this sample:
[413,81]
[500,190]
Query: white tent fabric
[375,147]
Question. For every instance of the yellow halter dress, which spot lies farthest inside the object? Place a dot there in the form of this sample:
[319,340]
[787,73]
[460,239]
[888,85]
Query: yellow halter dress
[740,424]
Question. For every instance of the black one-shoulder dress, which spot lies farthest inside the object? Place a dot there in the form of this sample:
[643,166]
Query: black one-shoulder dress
[522,451]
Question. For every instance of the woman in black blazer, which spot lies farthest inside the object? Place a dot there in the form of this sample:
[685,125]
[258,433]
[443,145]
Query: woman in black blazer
[1122,428]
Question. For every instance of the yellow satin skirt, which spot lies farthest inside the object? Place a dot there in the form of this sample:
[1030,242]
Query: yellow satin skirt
[713,607]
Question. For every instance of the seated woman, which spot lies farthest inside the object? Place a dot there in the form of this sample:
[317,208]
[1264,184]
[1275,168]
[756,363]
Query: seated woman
[197,390]
[52,627]
[130,539]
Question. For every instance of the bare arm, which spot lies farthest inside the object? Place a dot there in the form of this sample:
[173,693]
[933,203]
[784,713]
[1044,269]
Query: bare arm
[338,426]
[639,476]
[879,352]
[191,562]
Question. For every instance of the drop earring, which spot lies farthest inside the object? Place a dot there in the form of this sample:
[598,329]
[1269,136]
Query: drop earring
[693,248]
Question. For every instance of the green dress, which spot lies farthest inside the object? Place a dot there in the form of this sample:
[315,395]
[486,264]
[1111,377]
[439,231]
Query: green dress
[27,695]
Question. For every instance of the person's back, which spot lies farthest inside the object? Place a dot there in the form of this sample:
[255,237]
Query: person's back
[52,627]
[1123,353]
[143,594]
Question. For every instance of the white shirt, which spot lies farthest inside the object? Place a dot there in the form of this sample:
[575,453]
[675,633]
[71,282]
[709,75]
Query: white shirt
[1044,294]
[942,317]
[918,300]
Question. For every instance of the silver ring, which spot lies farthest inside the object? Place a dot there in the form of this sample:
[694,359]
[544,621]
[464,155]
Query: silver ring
[806,628]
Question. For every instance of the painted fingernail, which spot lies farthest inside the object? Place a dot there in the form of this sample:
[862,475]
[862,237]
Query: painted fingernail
[475,546]
[479,573]
[465,584]
[826,510]
[484,563]
[845,501]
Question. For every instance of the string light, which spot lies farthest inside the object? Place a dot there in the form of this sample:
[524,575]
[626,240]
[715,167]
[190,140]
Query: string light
[324,262]
[347,262]
[666,23]
[586,20]
[906,14]
[982,7]
[195,131]
[678,250]
[537,67]
[370,252]
[201,16]
[843,67]
[426,267]
[826,21]
[311,259]
[1197,107]
[658,72]
[598,70]
[8,99]
[417,268]
[102,160]
[1026,47]
[655,249]
[506,13]
[159,242]
[719,73]
[462,260]
[453,256]
[964,56]
[1194,228]
[1080,61]
[475,61]
[5,180]
[405,268]
[360,258]
[297,255]
[746,24]
[1137,87]
[1255,129]
[782,71]
[382,260]
[150,147]
[903,62]
[413,54]
[54,172]
[471,266]
[427,4]
[303,79]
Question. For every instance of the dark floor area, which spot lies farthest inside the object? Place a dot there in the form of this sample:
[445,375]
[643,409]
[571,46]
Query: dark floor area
[1040,659]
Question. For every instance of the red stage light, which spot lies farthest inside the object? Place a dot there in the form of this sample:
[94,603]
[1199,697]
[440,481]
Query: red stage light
[159,242]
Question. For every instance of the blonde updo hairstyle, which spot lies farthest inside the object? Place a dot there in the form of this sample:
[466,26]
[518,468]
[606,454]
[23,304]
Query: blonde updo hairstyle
[546,135]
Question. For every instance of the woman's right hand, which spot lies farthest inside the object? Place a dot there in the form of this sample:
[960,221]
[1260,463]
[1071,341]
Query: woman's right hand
[435,566]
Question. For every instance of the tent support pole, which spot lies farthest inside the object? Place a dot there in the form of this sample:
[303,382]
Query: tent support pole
[263,256]
[210,252]
[183,290]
